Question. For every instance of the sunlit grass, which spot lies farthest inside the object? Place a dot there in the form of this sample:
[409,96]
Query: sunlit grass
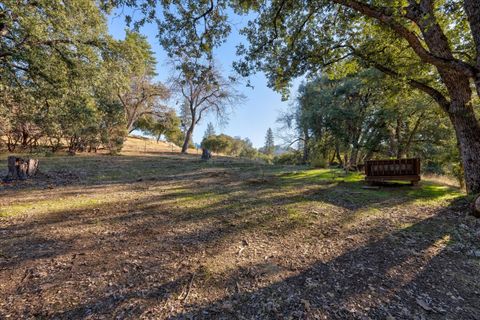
[427,193]
[53,205]
[352,186]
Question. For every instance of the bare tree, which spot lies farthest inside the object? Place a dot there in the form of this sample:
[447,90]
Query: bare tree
[203,90]
[144,97]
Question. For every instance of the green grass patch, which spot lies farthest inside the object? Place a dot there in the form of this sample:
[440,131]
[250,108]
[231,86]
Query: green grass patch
[320,176]
[428,192]
[52,206]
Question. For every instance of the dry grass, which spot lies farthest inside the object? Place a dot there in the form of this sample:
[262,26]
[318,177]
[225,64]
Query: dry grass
[442,180]
[135,145]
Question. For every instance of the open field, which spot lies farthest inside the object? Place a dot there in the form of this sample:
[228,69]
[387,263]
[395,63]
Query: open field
[166,236]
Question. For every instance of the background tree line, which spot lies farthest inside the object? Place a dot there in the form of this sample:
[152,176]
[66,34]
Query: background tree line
[364,115]
[59,66]
[431,46]
[66,83]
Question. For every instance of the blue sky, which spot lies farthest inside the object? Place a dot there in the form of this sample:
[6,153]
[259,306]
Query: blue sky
[254,117]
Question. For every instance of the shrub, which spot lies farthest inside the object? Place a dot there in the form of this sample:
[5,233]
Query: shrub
[318,161]
[264,157]
[113,139]
[248,152]
[289,158]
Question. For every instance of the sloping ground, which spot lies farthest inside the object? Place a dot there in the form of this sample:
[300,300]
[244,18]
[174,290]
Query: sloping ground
[135,145]
[171,237]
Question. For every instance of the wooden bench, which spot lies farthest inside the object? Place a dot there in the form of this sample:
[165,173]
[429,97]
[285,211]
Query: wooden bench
[393,170]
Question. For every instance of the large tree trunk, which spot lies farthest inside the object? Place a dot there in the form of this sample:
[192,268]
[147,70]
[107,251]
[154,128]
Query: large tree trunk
[476,207]
[353,158]
[337,152]
[466,125]
[457,81]
[472,9]
[21,169]
[130,125]
[188,136]
[467,130]
[306,147]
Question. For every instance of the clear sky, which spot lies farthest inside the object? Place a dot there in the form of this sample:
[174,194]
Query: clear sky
[258,112]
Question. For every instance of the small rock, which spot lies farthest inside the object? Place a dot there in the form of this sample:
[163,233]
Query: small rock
[227,306]
[425,305]
[306,304]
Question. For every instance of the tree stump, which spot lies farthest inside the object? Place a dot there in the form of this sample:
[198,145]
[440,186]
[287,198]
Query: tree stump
[21,169]
[476,207]
[206,155]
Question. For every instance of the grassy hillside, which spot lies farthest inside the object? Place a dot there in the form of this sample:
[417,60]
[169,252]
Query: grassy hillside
[139,145]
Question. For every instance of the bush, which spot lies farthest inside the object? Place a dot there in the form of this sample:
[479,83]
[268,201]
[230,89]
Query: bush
[289,158]
[217,143]
[264,157]
[113,139]
[248,152]
[318,161]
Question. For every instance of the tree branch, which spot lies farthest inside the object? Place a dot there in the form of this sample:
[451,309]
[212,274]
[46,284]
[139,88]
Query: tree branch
[387,19]
[434,93]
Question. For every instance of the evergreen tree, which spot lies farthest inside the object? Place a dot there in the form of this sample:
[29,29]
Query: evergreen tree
[210,131]
[269,147]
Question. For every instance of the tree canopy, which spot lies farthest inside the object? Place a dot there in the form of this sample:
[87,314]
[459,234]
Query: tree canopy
[65,82]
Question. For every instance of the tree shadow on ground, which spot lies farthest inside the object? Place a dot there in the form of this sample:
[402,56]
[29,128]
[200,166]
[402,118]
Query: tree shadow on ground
[236,211]
[416,272]
[128,259]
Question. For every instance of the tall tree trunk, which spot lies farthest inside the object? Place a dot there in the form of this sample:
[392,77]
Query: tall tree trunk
[130,126]
[460,111]
[188,136]
[25,136]
[472,9]
[467,129]
[306,147]
[398,138]
[465,124]
[408,143]
[337,152]
[333,157]
[353,157]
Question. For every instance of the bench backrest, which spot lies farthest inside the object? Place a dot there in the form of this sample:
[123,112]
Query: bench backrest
[398,167]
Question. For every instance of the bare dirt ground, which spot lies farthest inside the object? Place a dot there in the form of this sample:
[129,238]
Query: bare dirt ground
[165,236]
